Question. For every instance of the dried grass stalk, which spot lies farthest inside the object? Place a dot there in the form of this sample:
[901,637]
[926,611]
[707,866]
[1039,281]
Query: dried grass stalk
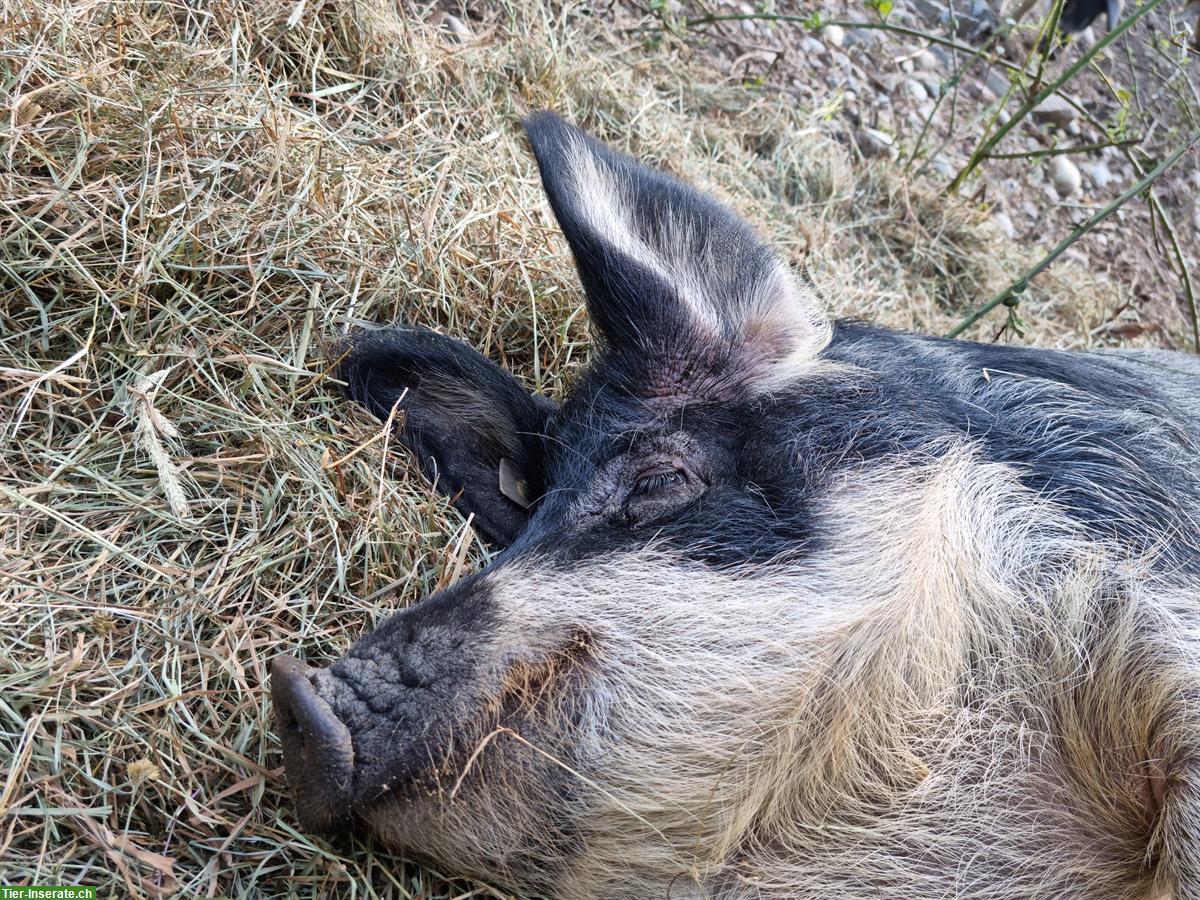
[151,433]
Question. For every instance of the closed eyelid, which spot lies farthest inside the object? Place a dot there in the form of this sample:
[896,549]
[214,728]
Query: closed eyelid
[660,465]
[658,478]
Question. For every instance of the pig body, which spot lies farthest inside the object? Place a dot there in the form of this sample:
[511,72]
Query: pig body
[785,607]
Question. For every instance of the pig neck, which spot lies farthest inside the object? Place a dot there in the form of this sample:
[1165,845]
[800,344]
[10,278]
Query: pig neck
[969,677]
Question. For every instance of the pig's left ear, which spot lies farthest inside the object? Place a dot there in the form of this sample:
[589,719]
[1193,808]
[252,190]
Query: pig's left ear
[673,278]
[472,427]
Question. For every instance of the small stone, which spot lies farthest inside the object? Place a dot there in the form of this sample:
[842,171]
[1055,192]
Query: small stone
[748,25]
[981,12]
[835,35]
[1196,219]
[866,38]
[1005,224]
[932,82]
[915,91]
[1074,128]
[1054,110]
[974,23]
[995,86]
[1066,177]
[812,47]
[1099,174]
[875,144]
[927,62]
[942,165]
[1030,209]
[455,29]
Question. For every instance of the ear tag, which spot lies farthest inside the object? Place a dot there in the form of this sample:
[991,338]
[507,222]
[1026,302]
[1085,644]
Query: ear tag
[512,486]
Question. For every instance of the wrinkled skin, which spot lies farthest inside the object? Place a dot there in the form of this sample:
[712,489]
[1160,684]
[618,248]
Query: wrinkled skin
[785,607]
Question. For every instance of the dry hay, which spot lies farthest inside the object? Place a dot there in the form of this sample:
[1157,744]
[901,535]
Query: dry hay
[195,199]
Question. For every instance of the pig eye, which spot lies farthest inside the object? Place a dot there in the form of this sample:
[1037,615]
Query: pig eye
[651,482]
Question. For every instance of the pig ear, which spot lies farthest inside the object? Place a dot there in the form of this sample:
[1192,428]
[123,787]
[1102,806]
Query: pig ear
[472,427]
[670,274]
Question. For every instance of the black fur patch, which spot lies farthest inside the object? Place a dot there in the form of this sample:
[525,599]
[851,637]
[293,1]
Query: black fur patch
[461,415]
[1095,436]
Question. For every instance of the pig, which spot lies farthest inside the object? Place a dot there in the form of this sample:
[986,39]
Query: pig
[781,606]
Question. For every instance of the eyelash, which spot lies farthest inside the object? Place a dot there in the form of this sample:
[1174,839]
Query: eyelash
[656,481]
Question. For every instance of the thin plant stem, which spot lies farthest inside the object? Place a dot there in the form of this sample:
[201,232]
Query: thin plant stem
[986,146]
[1063,151]
[1018,287]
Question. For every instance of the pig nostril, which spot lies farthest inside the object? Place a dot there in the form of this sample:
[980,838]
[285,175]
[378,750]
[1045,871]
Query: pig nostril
[411,681]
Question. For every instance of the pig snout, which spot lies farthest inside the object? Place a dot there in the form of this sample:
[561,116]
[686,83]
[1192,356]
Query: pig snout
[385,714]
[317,750]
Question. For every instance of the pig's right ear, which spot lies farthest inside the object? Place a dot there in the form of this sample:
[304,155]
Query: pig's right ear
[690,302]
[473,428]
